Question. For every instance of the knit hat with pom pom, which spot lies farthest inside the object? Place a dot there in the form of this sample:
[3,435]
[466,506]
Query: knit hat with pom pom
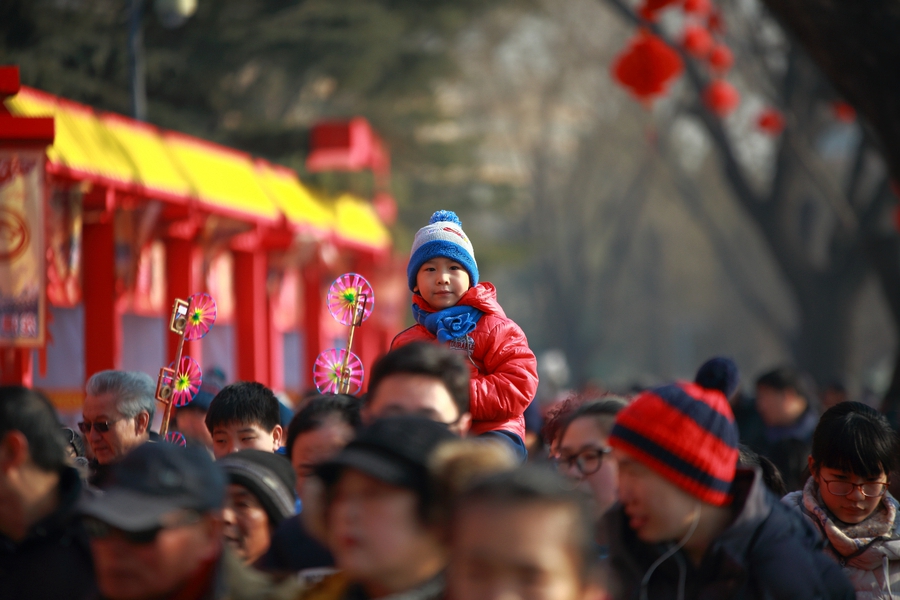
[443,236]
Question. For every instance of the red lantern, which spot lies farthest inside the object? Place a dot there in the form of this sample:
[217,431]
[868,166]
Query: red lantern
[771,121]
[697,7]
[647,66]
[715,23]
[697,41]
[843,111]
[721,59]
[721,98]
[649,8]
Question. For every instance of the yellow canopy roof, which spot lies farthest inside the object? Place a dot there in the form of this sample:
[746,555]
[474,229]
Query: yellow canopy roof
[357,223]
[293,198]
[139,157]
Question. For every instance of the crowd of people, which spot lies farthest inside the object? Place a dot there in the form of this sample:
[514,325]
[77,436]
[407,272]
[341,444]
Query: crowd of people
[446,481]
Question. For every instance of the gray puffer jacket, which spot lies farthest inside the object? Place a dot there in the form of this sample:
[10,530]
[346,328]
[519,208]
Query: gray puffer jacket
[869,552]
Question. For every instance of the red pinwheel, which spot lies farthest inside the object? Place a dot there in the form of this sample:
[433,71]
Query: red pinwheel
[200,316]
[350,292]
[329,372]
[186,382]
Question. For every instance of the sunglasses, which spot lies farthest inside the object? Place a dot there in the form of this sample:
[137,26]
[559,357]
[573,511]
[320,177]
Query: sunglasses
[101,426]
[99,530]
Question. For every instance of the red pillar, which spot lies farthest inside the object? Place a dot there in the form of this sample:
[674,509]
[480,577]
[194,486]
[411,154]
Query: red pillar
[16,367]
[276,352]
[251,316]
[183,278]
[313,302]
[102,325]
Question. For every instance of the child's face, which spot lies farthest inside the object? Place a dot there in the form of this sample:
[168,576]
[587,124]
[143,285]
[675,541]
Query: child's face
[854,507]
[441,282]
[233,436]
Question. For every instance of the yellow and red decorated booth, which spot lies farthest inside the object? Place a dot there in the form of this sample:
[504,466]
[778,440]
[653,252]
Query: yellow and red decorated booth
[134,216]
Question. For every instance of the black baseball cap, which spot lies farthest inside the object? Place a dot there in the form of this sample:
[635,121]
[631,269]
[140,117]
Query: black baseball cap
[154,480]
[395,450]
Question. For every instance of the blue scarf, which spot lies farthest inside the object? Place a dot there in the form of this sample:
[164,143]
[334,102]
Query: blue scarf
[450,323]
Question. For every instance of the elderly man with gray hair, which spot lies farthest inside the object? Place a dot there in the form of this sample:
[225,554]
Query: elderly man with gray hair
[118,409]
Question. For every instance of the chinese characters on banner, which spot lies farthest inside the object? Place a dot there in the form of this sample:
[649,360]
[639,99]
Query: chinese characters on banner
[22,248]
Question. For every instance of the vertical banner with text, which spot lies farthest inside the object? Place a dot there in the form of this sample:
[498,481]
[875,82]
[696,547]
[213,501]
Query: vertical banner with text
[22,255]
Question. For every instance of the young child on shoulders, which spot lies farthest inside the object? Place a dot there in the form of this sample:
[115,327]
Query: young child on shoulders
[854,450]
[452,307]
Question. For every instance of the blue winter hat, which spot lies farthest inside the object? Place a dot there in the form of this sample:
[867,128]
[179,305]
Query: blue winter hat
[444,237]
[719,373]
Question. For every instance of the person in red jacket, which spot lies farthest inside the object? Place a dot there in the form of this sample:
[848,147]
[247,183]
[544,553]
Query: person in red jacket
[451,307]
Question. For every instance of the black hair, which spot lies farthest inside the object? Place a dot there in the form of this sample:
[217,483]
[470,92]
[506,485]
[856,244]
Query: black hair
[321,409]
[245,402]
[781,379]
[604,407]
[31,413]
[771,476]
[533,485]
[854,437]
[432,360]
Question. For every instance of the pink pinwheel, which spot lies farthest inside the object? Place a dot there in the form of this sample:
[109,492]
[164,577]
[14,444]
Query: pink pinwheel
[174,437]
[328,368]
[187,381]
[350,295]
[200,317]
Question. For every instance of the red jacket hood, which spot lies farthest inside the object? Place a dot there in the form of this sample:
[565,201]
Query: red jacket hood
[483,297]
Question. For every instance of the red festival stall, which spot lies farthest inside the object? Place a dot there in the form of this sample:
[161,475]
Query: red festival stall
[103,224]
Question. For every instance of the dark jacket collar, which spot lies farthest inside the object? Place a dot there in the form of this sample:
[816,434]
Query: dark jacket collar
[70,488]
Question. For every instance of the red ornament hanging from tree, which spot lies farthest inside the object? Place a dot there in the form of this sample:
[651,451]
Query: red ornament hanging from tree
[843,111]
[650,8]
[697,41]
[697,7]
[647,66]
[771,121]
[721,59]
[721,98]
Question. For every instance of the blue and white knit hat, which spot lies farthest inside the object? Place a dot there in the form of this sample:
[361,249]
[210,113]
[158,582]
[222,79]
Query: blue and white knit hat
[443,236]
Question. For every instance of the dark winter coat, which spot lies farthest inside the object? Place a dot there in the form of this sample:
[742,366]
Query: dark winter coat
[54,559]
[766,553]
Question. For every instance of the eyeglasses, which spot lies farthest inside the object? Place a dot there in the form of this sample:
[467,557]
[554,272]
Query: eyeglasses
[869,489]
[99,530]
[102,426]
[588,461]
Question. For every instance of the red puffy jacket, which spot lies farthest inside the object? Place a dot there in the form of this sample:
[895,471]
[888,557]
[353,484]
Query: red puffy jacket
[503,367]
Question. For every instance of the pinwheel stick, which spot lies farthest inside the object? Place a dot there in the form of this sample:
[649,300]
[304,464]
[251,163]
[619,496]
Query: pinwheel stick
[359,310]
[165,391]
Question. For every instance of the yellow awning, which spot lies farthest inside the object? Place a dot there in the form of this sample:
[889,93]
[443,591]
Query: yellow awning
[357,223]
[223,178]
[295,201]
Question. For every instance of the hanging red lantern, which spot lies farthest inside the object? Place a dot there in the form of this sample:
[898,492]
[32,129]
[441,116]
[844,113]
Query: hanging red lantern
[771,121]
[721,59]
[721,98]
[697,7]
[843,111]
[650,8]
[697,41]
[647,66]
[715,23]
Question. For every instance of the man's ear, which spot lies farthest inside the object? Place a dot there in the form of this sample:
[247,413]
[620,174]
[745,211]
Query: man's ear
[142,422]
[812,464]
[13,450]
[277,437]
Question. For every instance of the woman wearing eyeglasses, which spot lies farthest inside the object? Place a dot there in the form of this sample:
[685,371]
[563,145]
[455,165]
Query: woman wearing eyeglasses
[854,450]
[584,454]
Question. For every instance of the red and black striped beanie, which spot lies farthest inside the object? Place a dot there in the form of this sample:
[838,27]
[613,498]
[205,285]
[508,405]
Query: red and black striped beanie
[686,434]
